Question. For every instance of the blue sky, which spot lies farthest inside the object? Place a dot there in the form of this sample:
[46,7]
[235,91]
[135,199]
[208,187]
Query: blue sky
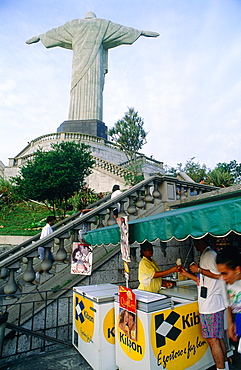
[186,84]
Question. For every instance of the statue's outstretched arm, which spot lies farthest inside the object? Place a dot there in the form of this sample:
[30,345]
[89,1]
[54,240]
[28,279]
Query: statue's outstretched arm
[33,40]
[149,34]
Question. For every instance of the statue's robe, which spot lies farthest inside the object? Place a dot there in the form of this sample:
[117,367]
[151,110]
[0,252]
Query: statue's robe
[90,40]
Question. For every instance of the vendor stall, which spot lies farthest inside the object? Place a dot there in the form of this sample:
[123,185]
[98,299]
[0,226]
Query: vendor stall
[217,218]
[169,337]
[168,334]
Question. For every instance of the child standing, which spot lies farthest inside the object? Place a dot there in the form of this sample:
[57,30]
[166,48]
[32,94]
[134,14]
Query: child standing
[229,266]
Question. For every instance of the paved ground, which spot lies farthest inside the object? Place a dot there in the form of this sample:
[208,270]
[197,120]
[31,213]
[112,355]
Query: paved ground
[66,359]
[236,362]
[70,359]
[236,358]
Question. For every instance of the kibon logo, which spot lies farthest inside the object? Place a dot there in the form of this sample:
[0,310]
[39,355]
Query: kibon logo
[165,328]
[79,309]
[135,350]
[109,326]
[176,337]
[84,317]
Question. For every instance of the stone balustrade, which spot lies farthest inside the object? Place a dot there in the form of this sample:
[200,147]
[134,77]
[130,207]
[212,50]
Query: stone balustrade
[110,167]
[56,137]
[142,199]
[99,163]
[142,159]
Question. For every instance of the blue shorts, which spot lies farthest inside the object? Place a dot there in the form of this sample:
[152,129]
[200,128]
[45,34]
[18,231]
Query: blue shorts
[238,324]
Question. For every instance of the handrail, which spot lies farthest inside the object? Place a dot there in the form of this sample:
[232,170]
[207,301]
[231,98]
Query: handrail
[77,221]
[99,163]
[114,168]
[23,318]
[71,225]
[54,227]
[65,135]
[147,159]
[34,333]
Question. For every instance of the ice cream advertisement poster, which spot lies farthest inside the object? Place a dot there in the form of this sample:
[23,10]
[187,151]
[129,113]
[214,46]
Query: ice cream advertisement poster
[127,312]
[81,259]
[124,238]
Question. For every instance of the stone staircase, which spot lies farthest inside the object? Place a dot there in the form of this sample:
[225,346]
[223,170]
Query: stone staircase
[151,196]
[19,265]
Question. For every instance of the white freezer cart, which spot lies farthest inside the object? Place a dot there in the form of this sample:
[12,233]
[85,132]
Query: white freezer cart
[167,337]
[93,324]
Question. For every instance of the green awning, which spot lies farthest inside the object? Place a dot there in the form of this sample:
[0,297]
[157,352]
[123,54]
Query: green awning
[217,218]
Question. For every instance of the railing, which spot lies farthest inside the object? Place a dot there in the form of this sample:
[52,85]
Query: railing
[99,163]
[110,167]
[136,202]
[17,160]
[54,227]
[141,158]
[45,322]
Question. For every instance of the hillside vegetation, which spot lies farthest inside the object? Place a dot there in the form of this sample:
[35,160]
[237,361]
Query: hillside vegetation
[24,218]
[27,217]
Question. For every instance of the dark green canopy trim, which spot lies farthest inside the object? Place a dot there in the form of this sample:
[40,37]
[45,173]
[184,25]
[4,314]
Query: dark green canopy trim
[105,235]
[216,218]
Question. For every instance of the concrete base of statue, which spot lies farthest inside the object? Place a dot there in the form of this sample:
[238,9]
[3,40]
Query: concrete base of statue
[92,127]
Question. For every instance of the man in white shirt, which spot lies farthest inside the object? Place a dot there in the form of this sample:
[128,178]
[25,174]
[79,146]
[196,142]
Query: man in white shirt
[47,230]
[210,301]
[115,192]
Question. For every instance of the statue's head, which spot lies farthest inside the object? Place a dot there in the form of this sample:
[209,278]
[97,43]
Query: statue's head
[90,15]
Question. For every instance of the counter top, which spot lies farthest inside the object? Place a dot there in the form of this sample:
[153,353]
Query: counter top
[179,282]
[185,292]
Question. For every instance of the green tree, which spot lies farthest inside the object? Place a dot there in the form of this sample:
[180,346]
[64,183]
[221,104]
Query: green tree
[220,177]
[195,170]
[129,135]
[192,169]
[233,168]
[52,177]
[7,195]
[223,175]
[83,198]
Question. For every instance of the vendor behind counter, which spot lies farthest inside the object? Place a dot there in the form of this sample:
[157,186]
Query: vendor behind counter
[149,274]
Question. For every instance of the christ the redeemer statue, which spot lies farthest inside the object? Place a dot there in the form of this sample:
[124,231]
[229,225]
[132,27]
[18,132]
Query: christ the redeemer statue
[89,38]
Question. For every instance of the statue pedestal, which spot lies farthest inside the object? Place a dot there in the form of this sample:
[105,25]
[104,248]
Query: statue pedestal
[89,127]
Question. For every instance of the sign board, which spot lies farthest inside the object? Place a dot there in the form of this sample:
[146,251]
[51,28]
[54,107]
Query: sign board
[127,312]
[81,259]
